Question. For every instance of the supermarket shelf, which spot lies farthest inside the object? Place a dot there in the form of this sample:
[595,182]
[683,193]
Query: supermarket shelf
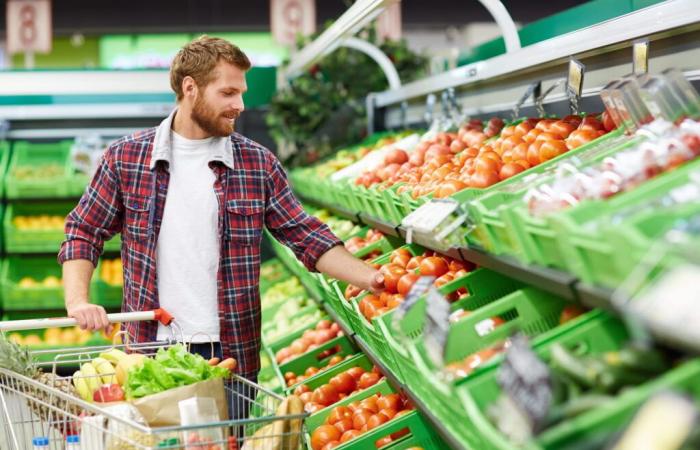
[335,209]
[379,224]
[674,16]
[594,296]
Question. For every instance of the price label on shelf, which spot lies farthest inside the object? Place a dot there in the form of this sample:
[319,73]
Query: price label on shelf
[670,301]
[574,83]
[428,216]
[526,381]
[640,56]
[435,224]
[437,326]
[419,288]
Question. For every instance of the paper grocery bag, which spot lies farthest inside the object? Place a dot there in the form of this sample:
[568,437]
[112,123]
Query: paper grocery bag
[162,409]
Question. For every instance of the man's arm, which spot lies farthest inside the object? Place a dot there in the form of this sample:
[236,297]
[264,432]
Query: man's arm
[96,218]
[309,238]
[339,263]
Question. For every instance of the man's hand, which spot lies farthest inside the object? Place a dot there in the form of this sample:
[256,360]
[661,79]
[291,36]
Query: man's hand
[90,317]
[376,283]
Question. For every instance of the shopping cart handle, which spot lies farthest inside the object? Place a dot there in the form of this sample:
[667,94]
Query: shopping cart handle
[159,314]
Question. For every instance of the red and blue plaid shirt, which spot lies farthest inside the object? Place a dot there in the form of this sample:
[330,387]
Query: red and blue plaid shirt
[127,194]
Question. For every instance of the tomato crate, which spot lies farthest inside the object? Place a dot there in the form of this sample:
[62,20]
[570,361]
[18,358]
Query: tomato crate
[398,206]
[412,423]
[33,283]
[39,171]
[487,206]
[537,240]
[301,320]
[35,227]
[319,356]
[323,377]
[600,333]
[527,310]
[586,234]
[484,286]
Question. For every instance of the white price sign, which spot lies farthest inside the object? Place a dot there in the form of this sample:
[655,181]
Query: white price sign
[429,215]
[289,18]
[29,26]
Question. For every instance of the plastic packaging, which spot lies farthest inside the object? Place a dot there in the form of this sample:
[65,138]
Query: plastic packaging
[200,411]
[73,442]
[40,443]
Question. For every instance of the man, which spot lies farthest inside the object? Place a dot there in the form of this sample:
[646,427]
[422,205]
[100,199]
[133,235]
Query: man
[191,198]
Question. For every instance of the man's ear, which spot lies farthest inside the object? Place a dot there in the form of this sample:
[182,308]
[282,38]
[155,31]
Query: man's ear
[189,87]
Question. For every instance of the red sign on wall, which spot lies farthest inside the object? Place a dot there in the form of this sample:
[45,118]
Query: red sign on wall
[290,18]
[29,26]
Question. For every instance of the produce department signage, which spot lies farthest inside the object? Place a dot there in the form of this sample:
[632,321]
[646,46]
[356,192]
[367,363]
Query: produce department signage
[289,18]
[29,27]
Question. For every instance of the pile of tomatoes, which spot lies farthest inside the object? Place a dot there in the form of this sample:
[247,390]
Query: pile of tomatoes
[400,274]
[451,162]
[325,331]
[345,423]
[342,385]
[291,378]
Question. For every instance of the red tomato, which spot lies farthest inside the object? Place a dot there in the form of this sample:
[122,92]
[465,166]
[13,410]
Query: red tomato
[433,266]
[406,282]
[580,137]
[524,127]
[376,420]
[552,149]
[396,156]
[349,435]
[483,180]
[312,407]
[359,420]
[414,262]
[306,397]
[331,445]
[370,403]
[392,401]
[590,123]
[323,435]
[356,372]
[401,433]
[367,380]
[392,273]
[389,413]
[608,122]
[343,382]
[325,395]
[510,170]
[339,413]
[443,280]
[344,425]
[570,312]
[386,440]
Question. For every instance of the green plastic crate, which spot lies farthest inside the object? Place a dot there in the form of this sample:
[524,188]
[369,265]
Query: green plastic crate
[535,235]
[601,333]
[587,243]
[484,286]
[296,331]
[19,297]
[528,310]
[324,377]
[34,240]
[419,432]
[486,206]
[27,155]
[300,366]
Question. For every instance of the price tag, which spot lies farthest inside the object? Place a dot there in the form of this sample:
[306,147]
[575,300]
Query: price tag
[437,326]
[428,216]
[574,83]
[526,381]
[671,301]
[417,290]
[535,89]
[640,56]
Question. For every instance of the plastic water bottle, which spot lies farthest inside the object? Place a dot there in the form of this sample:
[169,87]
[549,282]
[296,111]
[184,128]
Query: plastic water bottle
[73,442]
[40,443]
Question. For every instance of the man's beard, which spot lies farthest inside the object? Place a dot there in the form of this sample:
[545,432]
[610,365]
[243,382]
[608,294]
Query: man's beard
[208,120]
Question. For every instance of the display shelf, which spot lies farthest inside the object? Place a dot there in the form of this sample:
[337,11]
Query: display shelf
[594,296]
[379,224]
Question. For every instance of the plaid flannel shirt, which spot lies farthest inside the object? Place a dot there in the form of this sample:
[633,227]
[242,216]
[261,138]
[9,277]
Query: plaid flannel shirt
[127,194]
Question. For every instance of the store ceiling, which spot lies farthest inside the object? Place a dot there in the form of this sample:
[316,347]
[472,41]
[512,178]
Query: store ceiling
[151,16]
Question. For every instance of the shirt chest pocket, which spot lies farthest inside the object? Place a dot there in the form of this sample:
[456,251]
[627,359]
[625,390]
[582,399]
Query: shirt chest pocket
[137,216]
[244,221]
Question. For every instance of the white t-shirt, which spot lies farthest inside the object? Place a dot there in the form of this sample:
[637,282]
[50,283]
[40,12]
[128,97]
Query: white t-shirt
[187,251]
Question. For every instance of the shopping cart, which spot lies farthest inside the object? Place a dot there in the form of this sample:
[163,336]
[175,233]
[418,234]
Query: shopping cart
[38,412]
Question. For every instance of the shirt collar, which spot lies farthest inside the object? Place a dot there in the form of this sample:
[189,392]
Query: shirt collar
[162,146]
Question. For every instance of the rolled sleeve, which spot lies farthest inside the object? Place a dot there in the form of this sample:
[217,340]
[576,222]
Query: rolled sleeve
[308,237]
[96,218]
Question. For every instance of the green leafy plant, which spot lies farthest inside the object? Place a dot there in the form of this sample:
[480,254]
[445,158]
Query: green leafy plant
[324,109]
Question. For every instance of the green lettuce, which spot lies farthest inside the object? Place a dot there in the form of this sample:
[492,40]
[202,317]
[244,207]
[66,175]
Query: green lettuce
[169,369]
